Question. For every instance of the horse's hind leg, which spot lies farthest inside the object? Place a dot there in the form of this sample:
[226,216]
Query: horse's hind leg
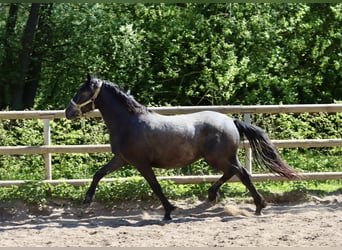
[245,178]
[212,192]
[111,166]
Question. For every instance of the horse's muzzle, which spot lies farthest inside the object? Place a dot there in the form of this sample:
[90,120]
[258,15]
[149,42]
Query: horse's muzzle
[71,112]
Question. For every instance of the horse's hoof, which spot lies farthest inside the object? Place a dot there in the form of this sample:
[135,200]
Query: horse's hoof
[262,205]
[87,201]
[213,198]
[167,217]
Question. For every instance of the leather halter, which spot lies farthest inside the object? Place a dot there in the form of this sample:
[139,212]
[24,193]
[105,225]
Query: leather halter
[91,100]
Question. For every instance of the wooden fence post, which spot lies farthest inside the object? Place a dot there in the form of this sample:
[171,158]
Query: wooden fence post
[248,150]
[47,142]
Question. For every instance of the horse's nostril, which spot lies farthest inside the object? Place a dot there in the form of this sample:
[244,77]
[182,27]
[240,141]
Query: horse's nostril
[68,115]
[71,113]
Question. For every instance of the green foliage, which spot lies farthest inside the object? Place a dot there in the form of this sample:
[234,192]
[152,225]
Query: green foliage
[186,54]
[21,133]
[66,191]
[301,126]
[314,160]
[32,192]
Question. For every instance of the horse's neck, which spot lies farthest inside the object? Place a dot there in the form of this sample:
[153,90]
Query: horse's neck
[113,112]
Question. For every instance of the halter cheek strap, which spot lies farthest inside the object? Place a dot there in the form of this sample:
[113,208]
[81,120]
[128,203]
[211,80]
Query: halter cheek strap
[91,100]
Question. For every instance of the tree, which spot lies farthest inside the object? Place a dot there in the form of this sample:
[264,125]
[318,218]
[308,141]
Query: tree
[22,61]
[293,51]
[9,60]
[42,42]
[18,86]
[171,54]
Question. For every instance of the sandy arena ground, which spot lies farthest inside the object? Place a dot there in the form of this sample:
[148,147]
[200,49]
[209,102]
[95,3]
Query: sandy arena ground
[195,223]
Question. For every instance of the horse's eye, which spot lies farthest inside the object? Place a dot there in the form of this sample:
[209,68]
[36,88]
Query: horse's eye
[93,85]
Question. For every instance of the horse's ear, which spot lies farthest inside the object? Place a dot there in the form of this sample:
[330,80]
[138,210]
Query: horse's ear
[88,77]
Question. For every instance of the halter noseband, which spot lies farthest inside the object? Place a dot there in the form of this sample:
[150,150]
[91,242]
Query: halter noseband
[91,100]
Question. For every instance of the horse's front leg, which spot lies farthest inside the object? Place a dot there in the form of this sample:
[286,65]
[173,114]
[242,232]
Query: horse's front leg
[150,177]
[110,167]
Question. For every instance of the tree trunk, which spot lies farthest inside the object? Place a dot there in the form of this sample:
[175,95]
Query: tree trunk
[24,57]
[8,64]
[43,40]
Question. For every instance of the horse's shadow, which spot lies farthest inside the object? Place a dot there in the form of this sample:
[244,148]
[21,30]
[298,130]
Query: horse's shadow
[153,216]
[137,217]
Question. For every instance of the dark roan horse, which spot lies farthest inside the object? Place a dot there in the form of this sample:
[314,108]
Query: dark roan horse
[145,139]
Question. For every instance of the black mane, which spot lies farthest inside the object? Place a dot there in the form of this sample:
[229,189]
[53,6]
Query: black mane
[126,99]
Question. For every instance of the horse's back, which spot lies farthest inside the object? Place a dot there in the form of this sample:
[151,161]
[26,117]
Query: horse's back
[214,122]
[200,133]
[193,125]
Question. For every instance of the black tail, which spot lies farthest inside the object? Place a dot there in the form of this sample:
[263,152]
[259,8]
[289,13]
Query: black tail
[265,152]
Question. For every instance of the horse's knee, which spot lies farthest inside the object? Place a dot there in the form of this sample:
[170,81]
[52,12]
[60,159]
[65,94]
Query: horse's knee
[99,174]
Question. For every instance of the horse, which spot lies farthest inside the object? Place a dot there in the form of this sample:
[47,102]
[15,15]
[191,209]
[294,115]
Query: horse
[147,140]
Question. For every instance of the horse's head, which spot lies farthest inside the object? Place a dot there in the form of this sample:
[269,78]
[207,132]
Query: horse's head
[84,100]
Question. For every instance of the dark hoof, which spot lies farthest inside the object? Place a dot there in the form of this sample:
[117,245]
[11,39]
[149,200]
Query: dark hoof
[213,197]
[259,207]
[167,215]
[258,213]
[87,200]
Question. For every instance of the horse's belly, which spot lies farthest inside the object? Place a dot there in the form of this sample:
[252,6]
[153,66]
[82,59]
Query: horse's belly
[173,163]
[174,157]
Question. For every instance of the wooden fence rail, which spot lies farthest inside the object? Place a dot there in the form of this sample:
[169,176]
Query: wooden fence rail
[47,149]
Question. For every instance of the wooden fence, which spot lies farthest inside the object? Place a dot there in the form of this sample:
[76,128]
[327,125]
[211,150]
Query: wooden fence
[47,149]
